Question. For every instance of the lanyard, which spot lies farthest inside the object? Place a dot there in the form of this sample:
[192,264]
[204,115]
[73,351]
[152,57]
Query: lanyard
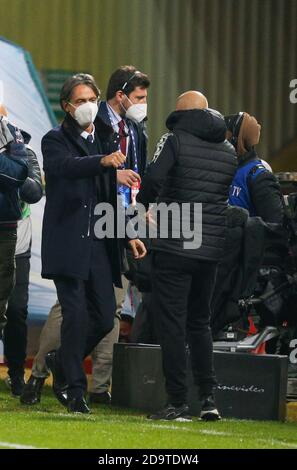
[132,137]
[114,122]
[126,193]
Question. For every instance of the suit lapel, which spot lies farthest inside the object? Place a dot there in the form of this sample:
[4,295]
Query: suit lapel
[103,113]
[73,133]
[104,130]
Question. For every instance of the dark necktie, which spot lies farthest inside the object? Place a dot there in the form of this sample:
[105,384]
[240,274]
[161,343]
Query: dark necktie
[123,137]
[90,139]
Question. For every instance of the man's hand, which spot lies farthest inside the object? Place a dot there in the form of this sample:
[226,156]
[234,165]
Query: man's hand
[127,177]
[138,248]
[114,160]
[150,220]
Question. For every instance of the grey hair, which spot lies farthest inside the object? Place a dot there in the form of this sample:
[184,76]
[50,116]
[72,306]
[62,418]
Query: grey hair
[75,80]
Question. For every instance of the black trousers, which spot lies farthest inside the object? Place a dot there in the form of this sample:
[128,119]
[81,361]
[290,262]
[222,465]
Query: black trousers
[182,293]
[8,240]
[15,332]
[145,326]
[88,310]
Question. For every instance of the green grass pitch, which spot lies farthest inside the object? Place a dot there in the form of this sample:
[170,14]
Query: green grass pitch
[49,425]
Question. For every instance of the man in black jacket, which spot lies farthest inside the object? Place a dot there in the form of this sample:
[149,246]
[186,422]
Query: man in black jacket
[13,173]
[83,267]
[15,333]
[193,166]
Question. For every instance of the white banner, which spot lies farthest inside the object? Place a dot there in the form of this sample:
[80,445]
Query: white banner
[21,93]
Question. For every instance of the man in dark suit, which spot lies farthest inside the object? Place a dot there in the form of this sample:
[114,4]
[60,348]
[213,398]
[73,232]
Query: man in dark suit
[126,105]
[127,88]
[79,175]
[126,92]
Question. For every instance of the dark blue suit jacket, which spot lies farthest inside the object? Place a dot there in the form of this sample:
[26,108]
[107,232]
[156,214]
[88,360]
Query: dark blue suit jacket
[140,137]
[71,174]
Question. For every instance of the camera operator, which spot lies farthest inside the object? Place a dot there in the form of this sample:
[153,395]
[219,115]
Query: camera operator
[263,243]
[254,187]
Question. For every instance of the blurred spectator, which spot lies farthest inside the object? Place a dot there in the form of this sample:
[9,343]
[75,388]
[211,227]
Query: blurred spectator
[128,313]
[254,186]
[13,173]
[15,333]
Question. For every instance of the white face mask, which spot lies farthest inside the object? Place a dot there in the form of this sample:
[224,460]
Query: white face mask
[85,113]
[136,112]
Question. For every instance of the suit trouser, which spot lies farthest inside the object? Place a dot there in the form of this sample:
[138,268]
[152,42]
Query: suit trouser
[15,332]
[88,309]
[50,339]
[7,270]
[102,355]
[182,293]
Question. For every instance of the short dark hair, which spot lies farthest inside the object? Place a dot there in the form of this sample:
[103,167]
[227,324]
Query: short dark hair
[126,78]
[73,81]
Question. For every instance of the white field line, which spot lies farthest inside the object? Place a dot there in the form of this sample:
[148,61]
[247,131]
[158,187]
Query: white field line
[290,445]
[10,445]
[211,432]
[198,431]
[148,425]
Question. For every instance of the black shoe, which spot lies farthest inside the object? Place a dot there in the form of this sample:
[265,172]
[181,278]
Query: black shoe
[32,391]
[60,386]
[170,412]
[16,384]
[103,398]
[78,405]
[209,410]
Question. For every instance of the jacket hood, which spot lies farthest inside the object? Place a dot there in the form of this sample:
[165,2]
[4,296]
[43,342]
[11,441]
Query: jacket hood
[207,124]
[26,136]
